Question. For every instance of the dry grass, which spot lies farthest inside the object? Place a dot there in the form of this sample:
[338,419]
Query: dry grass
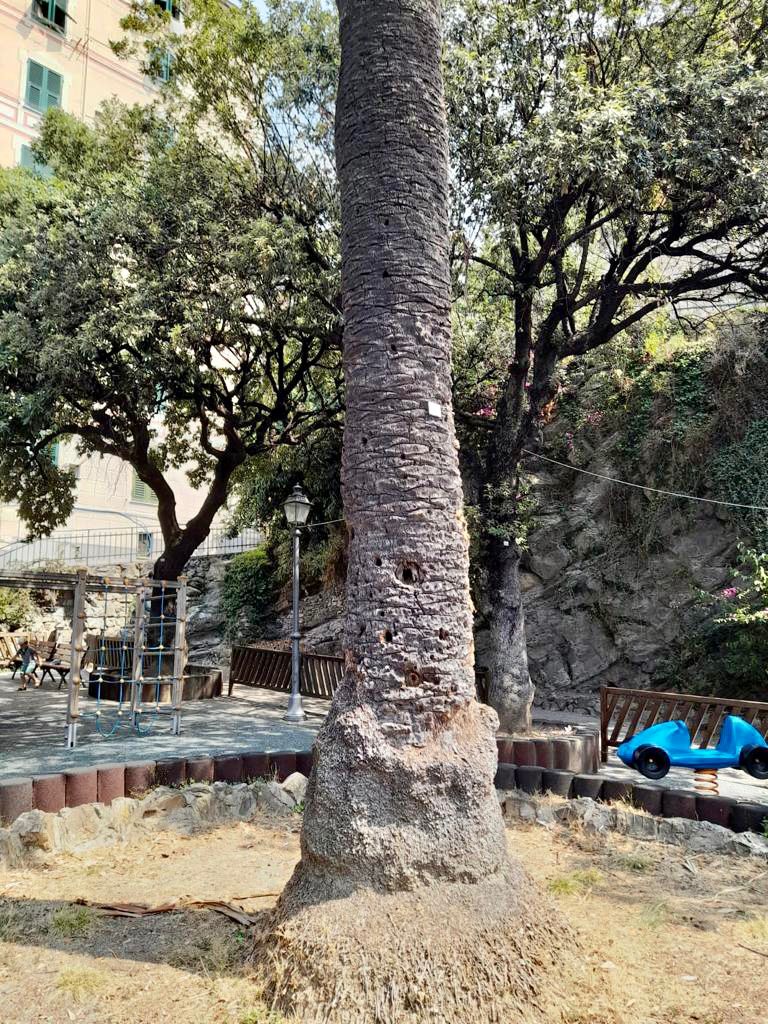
[80,983]
[9,924]
[649,919]
[575,882]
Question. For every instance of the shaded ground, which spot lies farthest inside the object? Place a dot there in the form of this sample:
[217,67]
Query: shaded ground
[664,932]
[33,729]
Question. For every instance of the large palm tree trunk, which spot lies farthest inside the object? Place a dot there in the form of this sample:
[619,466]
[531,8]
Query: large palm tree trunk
[405,906]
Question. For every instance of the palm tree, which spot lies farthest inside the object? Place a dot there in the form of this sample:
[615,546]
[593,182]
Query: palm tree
[405,905]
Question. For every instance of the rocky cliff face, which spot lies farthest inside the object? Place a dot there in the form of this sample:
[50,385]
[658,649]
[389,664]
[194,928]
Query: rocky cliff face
[606,601]
[611,579]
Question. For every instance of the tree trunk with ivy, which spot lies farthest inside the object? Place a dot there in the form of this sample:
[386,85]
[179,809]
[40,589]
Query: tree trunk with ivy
[405,906]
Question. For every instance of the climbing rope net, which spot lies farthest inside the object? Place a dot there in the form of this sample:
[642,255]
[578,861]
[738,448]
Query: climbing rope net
[127,650]
[134,665]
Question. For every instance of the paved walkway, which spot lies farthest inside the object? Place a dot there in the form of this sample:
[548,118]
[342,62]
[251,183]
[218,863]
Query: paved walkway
[33,730]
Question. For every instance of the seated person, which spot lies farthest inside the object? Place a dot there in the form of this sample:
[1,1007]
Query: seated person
[29,661]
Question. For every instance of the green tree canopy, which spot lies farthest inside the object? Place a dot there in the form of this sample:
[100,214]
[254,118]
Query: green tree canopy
[171,297]
[609,160]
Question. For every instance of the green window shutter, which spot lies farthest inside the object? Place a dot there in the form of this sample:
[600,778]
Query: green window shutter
[27,160]
[165,68]
[142,492]
[35,83]
[54,90]
[53,453]
[43,87]
[52,13]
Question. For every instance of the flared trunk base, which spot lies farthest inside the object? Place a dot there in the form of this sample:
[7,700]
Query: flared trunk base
[449,953]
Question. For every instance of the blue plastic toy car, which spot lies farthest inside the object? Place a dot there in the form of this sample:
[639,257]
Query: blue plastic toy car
[653,751]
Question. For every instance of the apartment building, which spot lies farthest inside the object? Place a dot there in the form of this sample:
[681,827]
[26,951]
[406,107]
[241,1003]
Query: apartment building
[57,53]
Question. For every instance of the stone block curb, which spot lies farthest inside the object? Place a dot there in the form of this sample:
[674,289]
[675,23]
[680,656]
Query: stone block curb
[110,782]
[256,766]
[282,763]
[228,768]
[200,769]
[529,778]
[49,792]
[16,797]
[554,780]
[588,786]
[139,777]
[171,771]
[506,776]
[82,786]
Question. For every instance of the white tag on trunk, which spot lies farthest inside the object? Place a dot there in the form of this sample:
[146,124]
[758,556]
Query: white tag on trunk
[435,410]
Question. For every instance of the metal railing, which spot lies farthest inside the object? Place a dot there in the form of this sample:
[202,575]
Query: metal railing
[114,547]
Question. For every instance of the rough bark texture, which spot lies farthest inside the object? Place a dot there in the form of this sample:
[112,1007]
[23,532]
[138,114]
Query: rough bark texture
[510,690]
[405,906]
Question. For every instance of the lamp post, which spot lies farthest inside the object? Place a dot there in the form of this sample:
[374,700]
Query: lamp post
[296,512]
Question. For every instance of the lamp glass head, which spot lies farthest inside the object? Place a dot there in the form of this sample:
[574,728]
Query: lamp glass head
[297,507]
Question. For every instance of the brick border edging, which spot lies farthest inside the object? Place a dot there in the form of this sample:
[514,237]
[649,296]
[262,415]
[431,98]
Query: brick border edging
[664,803]
[562,765]
[103,783]
[577,752]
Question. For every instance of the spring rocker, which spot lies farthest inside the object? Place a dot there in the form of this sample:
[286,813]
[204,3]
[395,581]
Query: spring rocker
[654,751]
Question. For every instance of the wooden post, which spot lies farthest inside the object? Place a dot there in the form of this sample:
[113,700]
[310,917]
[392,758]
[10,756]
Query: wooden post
[603,724]
[179,654]
[137,673]
[76,656]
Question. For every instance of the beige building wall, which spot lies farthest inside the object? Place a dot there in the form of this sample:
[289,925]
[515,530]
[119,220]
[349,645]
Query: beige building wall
[79,53]
[108,496]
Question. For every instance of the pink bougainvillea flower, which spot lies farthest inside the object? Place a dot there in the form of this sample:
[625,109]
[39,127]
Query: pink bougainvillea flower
[729,592]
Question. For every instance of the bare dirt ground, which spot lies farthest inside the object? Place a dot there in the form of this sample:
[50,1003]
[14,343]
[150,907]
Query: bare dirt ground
[665,933]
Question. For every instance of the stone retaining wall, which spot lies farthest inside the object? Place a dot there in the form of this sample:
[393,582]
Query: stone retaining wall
[695,836]
[665,803]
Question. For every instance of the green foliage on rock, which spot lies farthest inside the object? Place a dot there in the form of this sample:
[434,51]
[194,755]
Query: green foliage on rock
[726,653]
[248,593]
[16,608]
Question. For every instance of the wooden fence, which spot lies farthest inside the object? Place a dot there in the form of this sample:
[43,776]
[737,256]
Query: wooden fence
[320,673]
[623,713]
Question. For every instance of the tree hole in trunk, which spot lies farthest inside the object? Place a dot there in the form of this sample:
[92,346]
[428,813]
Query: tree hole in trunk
[377,560]
[409,573]
[442,633]
[387,636]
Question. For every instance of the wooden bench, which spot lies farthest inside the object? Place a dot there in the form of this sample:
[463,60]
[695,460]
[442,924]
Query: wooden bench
[625,712]
[9,648]
[44,647]
[271,670]
[59,662]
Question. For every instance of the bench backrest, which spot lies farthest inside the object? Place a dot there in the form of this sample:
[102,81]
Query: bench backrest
[271,670]
[624,713]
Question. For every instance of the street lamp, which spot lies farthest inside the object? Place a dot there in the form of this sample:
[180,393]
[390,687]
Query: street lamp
[296,512]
